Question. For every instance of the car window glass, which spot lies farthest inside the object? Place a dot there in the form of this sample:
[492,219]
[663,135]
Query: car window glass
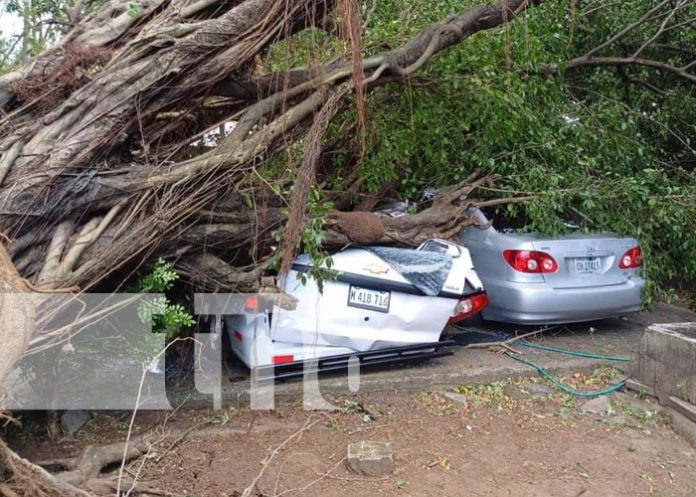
[439,248]
[504,221]
[574,220]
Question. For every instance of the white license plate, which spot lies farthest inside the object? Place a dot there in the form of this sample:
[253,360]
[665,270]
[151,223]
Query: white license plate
[588,265]
[366,298]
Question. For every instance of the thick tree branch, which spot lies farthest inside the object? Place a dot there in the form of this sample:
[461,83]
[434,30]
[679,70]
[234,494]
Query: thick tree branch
[680,72]
[630,27]
[173,66]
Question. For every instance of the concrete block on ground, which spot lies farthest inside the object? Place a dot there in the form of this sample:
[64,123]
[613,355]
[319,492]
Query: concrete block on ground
[671,343]
[371,458]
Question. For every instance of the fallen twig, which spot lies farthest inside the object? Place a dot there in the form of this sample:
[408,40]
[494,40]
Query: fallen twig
[132,420]
[505,343]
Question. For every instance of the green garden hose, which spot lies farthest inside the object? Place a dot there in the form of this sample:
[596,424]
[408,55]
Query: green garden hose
[503,337]
[571,391]
[573,352]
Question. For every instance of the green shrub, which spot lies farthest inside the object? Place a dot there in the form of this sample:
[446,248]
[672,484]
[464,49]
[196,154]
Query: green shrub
[165,317]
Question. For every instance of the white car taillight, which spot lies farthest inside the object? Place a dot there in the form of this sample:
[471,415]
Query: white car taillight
[283,359]
[468,307]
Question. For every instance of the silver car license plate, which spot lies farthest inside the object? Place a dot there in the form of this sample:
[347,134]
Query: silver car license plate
[367,298]
[588,265]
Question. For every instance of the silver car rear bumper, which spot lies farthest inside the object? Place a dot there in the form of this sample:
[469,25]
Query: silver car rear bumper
[538,303]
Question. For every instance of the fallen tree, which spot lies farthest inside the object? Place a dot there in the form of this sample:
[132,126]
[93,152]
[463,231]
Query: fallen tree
[94,130]
[98,171]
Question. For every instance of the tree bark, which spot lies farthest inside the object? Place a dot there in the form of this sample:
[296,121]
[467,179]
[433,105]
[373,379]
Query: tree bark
[18,317]
[91,173]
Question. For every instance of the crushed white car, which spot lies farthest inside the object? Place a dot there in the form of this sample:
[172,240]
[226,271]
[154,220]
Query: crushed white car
[384,299]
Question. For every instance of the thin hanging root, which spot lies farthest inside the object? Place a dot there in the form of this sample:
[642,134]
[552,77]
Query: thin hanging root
[305,180]
[8,160]
[92,230]
[351,28]
[61,235]
[39,289]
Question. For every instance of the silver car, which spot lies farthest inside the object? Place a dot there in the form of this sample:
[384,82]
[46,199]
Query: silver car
[533,279]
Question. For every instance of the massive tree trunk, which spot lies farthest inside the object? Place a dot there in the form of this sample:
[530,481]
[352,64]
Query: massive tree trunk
[17,317]
[17,311]
[96,171]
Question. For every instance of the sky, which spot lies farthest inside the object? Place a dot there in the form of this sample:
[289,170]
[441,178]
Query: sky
[10,24]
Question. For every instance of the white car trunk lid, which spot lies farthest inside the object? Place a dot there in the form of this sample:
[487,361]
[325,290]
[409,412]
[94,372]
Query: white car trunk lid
[388,310]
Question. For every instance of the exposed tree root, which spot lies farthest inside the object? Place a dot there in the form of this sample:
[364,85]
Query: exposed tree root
[94,459]
[25,479]
[81,476]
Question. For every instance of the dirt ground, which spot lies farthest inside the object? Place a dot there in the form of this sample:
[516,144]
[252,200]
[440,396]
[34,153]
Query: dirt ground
[516,437]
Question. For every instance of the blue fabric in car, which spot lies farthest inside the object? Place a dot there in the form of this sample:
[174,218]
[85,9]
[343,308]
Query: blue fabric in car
[427,271]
